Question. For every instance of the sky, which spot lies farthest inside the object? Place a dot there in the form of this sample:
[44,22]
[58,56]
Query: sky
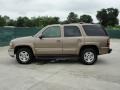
[60,8]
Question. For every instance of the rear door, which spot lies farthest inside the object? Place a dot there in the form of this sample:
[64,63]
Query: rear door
[72,39]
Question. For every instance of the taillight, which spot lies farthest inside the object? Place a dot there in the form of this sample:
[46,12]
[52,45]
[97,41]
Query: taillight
[108,43]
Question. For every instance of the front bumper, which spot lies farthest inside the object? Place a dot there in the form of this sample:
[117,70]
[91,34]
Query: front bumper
[11,52]
[110,50]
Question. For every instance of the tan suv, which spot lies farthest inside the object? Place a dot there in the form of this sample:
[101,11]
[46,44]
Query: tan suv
[85,41]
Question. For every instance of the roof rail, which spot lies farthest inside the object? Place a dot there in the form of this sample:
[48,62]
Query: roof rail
[82,22]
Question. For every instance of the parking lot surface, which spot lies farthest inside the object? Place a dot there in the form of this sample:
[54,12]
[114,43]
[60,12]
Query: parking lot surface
[61,75]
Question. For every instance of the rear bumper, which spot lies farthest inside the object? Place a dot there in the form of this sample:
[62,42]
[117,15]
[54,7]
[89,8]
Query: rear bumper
[105,50]
[11,52]
[110,50]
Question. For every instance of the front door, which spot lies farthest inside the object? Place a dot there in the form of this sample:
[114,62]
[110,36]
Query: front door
[50,43]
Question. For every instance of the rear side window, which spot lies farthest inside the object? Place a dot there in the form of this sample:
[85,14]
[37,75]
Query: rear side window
[71,31]
[94,30]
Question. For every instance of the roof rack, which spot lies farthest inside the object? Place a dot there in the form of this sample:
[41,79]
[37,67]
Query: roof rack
[82,22]
[78,23]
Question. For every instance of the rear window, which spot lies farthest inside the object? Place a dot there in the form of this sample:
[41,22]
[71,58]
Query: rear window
[94,30]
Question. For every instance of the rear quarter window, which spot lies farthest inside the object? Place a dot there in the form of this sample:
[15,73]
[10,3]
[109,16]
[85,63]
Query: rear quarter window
[94,30]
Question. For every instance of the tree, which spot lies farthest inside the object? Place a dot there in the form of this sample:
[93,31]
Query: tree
[86,19]
[23,22]
[72,18]
[20,22]
[7,19]
[2,21]
[49,20]
[108,17]
[44,21]
[11,22]
[64,22]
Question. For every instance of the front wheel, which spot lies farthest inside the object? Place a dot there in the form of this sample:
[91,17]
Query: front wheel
[24,56]
[88,56]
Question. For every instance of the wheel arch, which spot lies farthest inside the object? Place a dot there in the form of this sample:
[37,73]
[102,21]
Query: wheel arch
[23,46]
[89,46]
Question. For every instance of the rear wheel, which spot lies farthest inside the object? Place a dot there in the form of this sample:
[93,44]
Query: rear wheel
[88,56]
[24,56]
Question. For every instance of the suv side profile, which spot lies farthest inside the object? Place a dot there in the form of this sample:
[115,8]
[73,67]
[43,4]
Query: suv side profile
[85,41]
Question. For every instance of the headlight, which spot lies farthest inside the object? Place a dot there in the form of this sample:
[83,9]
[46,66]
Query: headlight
[11,44]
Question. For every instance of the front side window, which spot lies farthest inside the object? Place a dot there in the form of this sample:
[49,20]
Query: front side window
[53,31]
[94,30]
[71,31]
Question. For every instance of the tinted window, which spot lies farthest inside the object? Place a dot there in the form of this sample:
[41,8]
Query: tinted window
[94,30]
[71,31]
[53,31]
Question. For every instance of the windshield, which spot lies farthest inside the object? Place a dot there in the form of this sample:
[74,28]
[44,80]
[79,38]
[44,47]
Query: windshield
[37,34]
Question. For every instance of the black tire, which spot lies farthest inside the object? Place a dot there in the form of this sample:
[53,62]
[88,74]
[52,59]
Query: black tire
[83,56]
[29,53]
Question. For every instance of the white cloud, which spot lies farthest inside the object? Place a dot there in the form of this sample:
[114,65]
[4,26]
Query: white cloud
[61,8]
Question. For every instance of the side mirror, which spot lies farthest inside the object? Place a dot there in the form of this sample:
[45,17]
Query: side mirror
[41,36]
